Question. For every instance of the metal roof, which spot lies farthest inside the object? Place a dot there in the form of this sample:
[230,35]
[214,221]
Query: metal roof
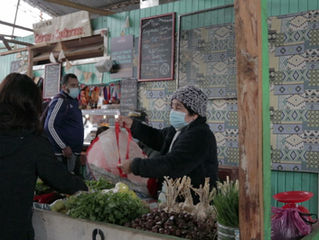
[61,7]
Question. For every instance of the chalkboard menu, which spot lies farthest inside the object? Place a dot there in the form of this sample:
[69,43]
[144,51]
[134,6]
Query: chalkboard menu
[128,95]
[122,54]
[156,48]
[52,76]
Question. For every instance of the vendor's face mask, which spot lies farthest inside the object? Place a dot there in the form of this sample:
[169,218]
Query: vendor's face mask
[72,87]
[177,119]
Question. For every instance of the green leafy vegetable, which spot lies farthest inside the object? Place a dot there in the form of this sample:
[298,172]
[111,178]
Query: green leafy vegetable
[41,188]
[117,208]
[99,184]
[226,203]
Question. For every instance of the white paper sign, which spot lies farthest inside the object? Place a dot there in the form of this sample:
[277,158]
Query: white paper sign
[70,26]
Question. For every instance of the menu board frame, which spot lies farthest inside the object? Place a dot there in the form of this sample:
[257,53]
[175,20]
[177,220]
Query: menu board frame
[172,55]
[16,66]
[122,50]
[56,83]
[128,103]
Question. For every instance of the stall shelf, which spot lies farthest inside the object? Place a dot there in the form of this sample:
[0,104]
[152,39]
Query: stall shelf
[50,225]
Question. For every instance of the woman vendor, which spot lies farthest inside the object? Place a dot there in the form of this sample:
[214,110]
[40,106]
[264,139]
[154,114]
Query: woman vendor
[187,147]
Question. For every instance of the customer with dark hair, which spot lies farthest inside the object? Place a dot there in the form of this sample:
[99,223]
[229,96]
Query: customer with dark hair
[64,124]
[25,155]
[188,147]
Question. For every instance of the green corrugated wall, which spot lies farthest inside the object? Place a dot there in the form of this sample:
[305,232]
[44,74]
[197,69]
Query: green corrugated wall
[281,181]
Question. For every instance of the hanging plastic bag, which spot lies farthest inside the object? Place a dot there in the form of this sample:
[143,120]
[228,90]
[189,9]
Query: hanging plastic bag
[112,148]
[289,224]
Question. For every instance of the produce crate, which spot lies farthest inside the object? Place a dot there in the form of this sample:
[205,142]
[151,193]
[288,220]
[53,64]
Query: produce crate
[50,225]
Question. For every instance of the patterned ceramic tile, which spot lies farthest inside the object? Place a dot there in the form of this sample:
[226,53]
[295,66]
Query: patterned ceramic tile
[287,167]
[314,37]
[312,160]
[217,127]
[311,147]
[312,106]
[313,16]
[290,50]
[313,82]
[287,128]
[296,36]
[294,91]
[294,141]
[207,59]
[295,101]
[311,136]
[312,65]
[232,156]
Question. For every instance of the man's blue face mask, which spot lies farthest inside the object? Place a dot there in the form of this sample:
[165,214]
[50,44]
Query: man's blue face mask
[74,92]
[177,119]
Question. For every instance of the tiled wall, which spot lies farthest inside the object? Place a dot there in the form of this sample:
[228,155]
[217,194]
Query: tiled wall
[294,91]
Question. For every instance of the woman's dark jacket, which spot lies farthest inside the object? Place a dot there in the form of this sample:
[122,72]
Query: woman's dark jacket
[23,157]
[194,152]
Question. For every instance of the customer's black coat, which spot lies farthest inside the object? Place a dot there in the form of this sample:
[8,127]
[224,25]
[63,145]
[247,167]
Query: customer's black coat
[23,157]
[194,152]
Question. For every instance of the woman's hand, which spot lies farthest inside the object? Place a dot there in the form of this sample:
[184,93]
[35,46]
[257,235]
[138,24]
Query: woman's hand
[125,121]
[126,166]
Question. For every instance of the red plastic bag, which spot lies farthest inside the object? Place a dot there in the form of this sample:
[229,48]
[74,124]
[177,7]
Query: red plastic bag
[46,198]
[115,146]
[288,224]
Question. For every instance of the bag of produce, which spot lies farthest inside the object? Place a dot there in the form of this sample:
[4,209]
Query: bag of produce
[112,147]
[288,223]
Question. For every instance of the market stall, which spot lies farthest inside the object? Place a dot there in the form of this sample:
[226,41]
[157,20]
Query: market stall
[263,95]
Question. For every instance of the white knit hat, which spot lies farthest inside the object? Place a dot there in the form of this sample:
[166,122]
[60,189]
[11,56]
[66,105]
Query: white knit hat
[193,98]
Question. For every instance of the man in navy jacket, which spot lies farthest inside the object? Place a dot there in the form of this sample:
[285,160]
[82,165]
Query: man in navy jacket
[64,124]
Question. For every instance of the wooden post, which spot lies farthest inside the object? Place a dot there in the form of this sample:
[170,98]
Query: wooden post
[249,90]
[30,62]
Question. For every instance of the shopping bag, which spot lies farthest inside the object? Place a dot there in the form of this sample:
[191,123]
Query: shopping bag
[289,223]
[113,147]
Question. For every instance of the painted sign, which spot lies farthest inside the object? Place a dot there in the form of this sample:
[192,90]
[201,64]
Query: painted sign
[70,26]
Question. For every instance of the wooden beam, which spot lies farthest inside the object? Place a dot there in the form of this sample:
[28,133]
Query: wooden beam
[16,26]
[10,36]
[249,90]
[19,42]
[88,52]
[119,5]
[5,43]
[81,7]
[13,51]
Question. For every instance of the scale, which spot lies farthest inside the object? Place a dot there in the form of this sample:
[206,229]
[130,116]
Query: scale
[292,198]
